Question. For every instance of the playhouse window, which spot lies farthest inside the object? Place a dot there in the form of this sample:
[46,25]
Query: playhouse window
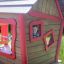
[48,39]
[36,30]
[5,39]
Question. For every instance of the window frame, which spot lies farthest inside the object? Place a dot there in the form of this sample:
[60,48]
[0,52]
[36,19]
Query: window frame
[44,39]
[13,31]
[31,31]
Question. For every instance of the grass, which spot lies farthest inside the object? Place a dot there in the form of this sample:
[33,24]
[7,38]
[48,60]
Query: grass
[62,50]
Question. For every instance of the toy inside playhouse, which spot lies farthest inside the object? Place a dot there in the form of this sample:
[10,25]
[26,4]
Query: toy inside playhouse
[5,39]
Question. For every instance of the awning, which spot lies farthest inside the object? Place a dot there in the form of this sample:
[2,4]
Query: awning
[18,6]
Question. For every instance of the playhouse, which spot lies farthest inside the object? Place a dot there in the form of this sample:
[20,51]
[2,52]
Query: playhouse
[31,31]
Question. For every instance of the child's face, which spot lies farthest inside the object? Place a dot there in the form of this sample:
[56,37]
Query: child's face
[35,29]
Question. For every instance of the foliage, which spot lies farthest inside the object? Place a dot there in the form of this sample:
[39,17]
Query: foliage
[62,50]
